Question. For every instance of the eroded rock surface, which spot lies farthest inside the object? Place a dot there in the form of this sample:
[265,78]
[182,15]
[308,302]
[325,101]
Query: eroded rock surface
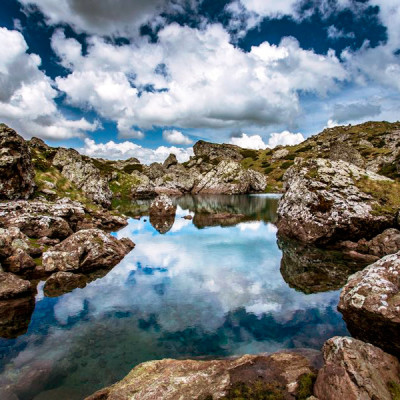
[16,170]
[355,370]
[86,250]
[280,375]
[370,304]
[11,286]
[326,201]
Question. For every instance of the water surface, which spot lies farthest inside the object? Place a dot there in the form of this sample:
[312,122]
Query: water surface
[199,290]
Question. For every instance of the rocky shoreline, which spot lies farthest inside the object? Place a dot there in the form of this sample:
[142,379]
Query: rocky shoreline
[338,226]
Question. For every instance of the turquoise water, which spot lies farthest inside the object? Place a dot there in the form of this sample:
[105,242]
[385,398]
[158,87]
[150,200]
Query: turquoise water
[199,290]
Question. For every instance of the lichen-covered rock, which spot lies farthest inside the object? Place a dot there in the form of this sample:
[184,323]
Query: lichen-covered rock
[325,201]
[345,152]
[355,370]
[162,205]
[213,151]
[11,286]
[16,170]
[370,304]
[86,250]
[170,161]
[279,376]
[39,144]
[229,177]
[82,172]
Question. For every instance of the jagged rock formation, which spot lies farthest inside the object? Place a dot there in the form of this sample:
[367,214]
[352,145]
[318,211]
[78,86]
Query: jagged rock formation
[355,370]
[328,201]
[214,151]
[84,175]
[281,376]
[86,250]
[16,170]
[370,304]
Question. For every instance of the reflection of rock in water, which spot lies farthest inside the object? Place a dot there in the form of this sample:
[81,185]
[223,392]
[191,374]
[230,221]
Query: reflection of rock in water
[202,220]
[256,208]
[310,269]
[64,282]
[15,316]
[162,223]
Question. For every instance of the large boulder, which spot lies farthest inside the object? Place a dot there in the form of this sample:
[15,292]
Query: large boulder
[355,370]
[211,151]
[85,251]
[84,174]
[16,170]
[278,376]
[170,161]
[11,286]
[162,213]
[229,177]
[370,304]
[327,201]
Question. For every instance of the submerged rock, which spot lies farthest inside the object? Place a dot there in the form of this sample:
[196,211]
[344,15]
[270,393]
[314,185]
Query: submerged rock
[203,220]
[355,370]
[63,282]
[16,169]
[86,250]
[370,304]
[280,375]
[327,201]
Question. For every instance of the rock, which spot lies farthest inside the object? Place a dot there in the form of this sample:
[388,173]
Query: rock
[161,206]
[16,169]
[85,251]
[154,171]
[370,304]
[188,217]
[12,287]
[280,375]
[310,269]
[82,172]
[20,262]
[355,370]
[325,202]
[345,152]
[162,223]
[15,316]
[279,154]
[63,282]
[229,177]
[170,161]
[213,151]
[39,144]
[217,219]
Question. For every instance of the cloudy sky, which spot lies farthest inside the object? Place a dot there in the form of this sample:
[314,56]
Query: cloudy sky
[121,78]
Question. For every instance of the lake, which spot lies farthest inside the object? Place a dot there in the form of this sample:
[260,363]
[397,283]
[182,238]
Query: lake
[207,287]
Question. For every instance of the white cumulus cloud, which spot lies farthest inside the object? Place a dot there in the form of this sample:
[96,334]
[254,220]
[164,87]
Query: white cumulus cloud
[285,138]
[120,151]
[176,137]
[249,142]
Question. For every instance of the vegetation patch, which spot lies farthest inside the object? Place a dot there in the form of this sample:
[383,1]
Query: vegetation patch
[258,390]
[133,167]
[249,153]
[306,384]
[394,389]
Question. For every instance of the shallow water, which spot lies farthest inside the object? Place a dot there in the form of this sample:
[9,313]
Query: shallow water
[200,290]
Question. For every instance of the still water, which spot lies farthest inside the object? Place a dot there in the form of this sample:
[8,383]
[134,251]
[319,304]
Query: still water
[209,287]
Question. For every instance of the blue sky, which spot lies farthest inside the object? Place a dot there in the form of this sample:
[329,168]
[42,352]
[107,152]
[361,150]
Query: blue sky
[143,78]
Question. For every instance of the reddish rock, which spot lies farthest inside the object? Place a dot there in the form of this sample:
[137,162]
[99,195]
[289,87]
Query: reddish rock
[11,286]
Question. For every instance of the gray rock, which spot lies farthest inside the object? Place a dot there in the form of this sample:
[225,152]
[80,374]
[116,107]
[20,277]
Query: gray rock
[16,170]
[213,151]
[170,161]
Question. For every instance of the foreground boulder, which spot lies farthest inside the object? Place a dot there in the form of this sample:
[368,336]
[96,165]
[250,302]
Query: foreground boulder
[12,287]
[278,376]
[86,250]
[328,201]
[162,213]
[16,170]
[370,304]
[355,370]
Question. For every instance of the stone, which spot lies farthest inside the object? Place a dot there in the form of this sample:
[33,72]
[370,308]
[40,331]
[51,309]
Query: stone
[213,151]
[20,262]
[39,144]
[170,161]
[162,205]
[11,286]
[63,282]
[346,152]
[370,304]
[203,220]
[324,202]
[16,169]
[279,375]
[85,251]
[279,154]
[355,370]
[84,174]
[229,177]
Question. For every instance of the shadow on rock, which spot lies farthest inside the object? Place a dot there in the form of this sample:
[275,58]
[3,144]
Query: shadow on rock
[310,269]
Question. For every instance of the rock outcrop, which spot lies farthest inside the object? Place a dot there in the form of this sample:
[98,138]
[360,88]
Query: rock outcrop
[280,376]
[85,251]
[212,151]
[81,171]
[16,169]
[355,370]
[370,304]
[12,286]
[328,201]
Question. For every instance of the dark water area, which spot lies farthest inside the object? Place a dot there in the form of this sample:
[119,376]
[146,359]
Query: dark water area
[209,287]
